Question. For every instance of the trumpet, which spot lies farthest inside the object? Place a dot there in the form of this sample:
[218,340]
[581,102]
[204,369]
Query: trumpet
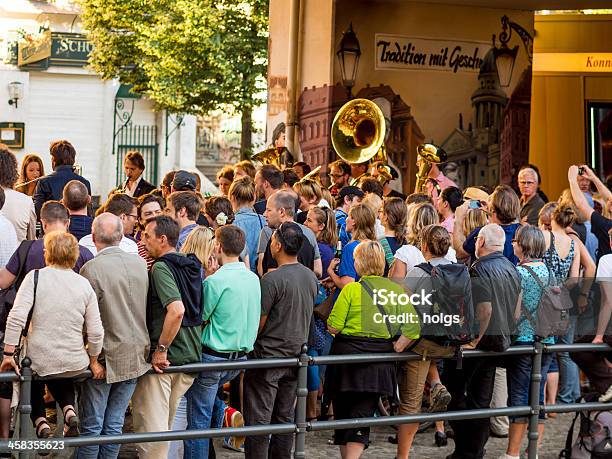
[428,154]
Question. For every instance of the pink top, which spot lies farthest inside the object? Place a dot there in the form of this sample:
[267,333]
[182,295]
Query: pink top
[443,182]
[449,223]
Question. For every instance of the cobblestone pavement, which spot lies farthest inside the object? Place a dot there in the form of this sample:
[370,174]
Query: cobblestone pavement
[318,447]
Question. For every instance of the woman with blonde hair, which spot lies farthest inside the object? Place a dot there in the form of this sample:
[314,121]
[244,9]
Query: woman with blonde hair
[64,309]
[356,389]
[409,255]
[32,168]
[309,193]
[375,202]
[201,242]
[360,223]
[474,218]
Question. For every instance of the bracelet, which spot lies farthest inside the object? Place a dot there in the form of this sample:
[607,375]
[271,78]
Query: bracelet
[9,354]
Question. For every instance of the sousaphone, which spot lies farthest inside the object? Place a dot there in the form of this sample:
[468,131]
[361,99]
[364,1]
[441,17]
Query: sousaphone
[358,131]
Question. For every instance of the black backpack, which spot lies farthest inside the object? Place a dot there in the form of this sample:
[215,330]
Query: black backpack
[449,319]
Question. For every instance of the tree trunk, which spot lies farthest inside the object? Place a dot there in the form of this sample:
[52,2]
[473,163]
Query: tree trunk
[246,134]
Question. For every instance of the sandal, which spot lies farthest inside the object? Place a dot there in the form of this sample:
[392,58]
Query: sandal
[43,430]
[71,423]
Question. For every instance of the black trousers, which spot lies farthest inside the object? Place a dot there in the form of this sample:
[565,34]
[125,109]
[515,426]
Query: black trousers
[269,398]
[61,389]
[471,388]
[594,365]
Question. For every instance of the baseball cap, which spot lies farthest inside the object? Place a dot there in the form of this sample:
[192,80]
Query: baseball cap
[476,194]
[184,181]
[350,190]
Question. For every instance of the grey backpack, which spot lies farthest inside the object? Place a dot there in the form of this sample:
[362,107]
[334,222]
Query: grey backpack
[553,313]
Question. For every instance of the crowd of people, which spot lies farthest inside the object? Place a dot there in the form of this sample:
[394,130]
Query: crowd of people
[164,277]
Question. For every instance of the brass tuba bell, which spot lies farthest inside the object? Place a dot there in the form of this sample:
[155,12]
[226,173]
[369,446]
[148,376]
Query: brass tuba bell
[428,154]
[358,131]
[277,156]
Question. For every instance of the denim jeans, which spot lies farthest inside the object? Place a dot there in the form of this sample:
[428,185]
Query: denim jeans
[204,409]
[518,372]
[102,413]
[569,377]
[177,448]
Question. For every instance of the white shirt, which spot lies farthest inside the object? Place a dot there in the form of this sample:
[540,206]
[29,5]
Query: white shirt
[8,240]
[19,209]
[412,256]
[380,230]
[130,192]
[604,269]
[126,244]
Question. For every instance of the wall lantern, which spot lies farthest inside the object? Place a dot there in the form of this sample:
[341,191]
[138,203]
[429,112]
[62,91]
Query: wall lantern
[505,57]
[15,90]
[348,55]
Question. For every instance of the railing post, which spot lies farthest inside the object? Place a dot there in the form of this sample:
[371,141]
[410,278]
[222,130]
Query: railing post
[300,408]
[534,399]
[25,397]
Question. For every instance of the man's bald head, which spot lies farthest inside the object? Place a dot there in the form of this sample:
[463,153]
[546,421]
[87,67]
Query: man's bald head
[75,196]
[491,238]
[107,230]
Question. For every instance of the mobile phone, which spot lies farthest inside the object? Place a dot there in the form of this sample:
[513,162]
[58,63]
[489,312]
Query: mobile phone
[581,170]
[474,204]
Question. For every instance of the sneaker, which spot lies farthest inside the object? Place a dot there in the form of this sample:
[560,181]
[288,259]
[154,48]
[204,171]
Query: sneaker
[439,398]
[507,456]
[607,396]
[233,418]
[440,439]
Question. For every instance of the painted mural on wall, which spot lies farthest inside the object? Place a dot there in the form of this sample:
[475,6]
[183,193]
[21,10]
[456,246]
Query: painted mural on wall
[464,72]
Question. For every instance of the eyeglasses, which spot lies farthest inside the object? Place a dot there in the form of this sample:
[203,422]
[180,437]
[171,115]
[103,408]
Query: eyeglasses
[526,182]
[336,175]
[132,215]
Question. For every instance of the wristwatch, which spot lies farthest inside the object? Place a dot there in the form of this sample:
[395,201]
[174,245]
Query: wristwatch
[162,348]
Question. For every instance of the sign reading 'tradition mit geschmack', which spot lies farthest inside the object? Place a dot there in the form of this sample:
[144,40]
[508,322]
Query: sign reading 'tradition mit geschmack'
[399,52]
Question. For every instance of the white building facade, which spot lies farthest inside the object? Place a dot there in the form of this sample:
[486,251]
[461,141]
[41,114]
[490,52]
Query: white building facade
[59,98]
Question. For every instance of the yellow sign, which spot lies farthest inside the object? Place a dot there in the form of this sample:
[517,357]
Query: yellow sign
[34,50]
[573,62]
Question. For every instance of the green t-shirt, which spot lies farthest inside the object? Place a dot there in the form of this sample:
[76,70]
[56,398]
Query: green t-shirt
[355,314]
[186,347]
[232,305]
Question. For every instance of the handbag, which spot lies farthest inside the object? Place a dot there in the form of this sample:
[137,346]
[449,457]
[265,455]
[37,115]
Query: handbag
[324,308]
[21,349]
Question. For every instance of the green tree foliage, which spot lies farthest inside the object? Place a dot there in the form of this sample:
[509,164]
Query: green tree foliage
[189,56]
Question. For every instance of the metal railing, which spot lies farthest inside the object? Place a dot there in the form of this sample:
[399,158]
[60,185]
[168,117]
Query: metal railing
[300,427]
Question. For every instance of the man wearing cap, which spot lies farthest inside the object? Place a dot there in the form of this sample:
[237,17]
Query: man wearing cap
[385,174]
[347,198]
[183,181]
